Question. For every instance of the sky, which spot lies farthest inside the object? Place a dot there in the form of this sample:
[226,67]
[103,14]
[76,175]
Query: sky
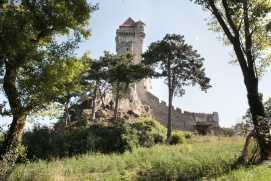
[227,95]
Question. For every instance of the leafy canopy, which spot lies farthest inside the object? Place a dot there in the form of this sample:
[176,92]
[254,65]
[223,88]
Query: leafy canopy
[37,43]
[178,63]
[246,21]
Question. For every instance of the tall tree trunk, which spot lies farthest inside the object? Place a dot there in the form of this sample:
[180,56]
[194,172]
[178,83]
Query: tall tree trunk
[259,119]
[255,104]
[92,117]
[9,152]
[10,149]
[169,127]
[116,103]
[170,96]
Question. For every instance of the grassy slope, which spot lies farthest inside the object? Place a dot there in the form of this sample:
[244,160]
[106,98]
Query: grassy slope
[254,173]
[208,157]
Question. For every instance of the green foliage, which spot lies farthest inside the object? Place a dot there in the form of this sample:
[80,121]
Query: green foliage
[247,118]
[179,64]
[45,143]
[122,71]
[247,21]
[188,134]
[227,132]
[252,173]
[177,137]
[150,132]
[241,129]
[116,138]
[162,162]
[38,68]
[45,68]
[22,158]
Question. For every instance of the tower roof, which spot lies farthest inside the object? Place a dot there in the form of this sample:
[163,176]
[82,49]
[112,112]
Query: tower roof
[140,22]
[128,22]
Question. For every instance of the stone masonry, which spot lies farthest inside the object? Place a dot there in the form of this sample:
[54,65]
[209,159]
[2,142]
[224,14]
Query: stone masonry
[129,38]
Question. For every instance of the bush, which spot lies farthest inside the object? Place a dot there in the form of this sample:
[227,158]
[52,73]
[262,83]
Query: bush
[116,138]
[177,137]
[188,134]
[227,132]
[45,143]
[41,142]
[150,132]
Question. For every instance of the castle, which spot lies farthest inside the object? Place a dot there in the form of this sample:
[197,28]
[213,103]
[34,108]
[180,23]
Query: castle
[129,38]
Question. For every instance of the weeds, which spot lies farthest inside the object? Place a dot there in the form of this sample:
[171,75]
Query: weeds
[161,162]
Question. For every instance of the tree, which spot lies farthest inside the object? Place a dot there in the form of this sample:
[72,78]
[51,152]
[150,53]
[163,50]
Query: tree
[227,132]
[241,129]
[243,25]
[122,72]
[36,66]
[97,74]
[247,118]
[180,64]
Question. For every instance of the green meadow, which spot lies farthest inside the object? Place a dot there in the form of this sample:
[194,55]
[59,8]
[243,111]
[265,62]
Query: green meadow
[200,158]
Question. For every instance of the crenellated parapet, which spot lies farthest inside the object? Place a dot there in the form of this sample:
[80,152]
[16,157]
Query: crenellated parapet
[181,120]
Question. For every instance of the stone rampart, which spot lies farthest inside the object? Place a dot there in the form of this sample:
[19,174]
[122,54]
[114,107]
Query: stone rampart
[181,120]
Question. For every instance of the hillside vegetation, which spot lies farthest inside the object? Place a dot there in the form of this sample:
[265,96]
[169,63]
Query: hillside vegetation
[200,158]
[130,151]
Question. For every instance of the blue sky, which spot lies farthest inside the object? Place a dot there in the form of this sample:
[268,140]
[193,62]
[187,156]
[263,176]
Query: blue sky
[227,95]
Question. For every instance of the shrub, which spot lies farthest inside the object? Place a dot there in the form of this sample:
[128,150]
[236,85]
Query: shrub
[40,142]
[188,134]
[227,132]
[45,143]
[118,137]
[177,137]
[150,132]
[22,158]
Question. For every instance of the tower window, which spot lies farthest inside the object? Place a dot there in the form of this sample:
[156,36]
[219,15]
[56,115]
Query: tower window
[127,49]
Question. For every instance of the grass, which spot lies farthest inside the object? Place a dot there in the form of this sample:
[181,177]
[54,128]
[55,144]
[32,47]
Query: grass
[253,173]
[201,158]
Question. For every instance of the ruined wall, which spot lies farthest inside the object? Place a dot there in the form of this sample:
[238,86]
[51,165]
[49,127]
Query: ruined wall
[181,120]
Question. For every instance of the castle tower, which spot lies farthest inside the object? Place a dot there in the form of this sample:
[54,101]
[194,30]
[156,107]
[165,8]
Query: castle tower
[129,38]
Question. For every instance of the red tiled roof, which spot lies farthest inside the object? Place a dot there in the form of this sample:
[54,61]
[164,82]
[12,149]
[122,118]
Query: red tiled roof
[128,22]
[140,22]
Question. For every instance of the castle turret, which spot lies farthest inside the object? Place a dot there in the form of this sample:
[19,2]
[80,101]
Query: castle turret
[129,38]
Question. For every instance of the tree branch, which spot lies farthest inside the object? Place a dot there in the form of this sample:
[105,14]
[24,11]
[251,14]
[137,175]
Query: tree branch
[229,19]
[248,38]
[221,21]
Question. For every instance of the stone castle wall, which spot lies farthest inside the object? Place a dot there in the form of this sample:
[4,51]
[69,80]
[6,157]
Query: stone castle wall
[181,120]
